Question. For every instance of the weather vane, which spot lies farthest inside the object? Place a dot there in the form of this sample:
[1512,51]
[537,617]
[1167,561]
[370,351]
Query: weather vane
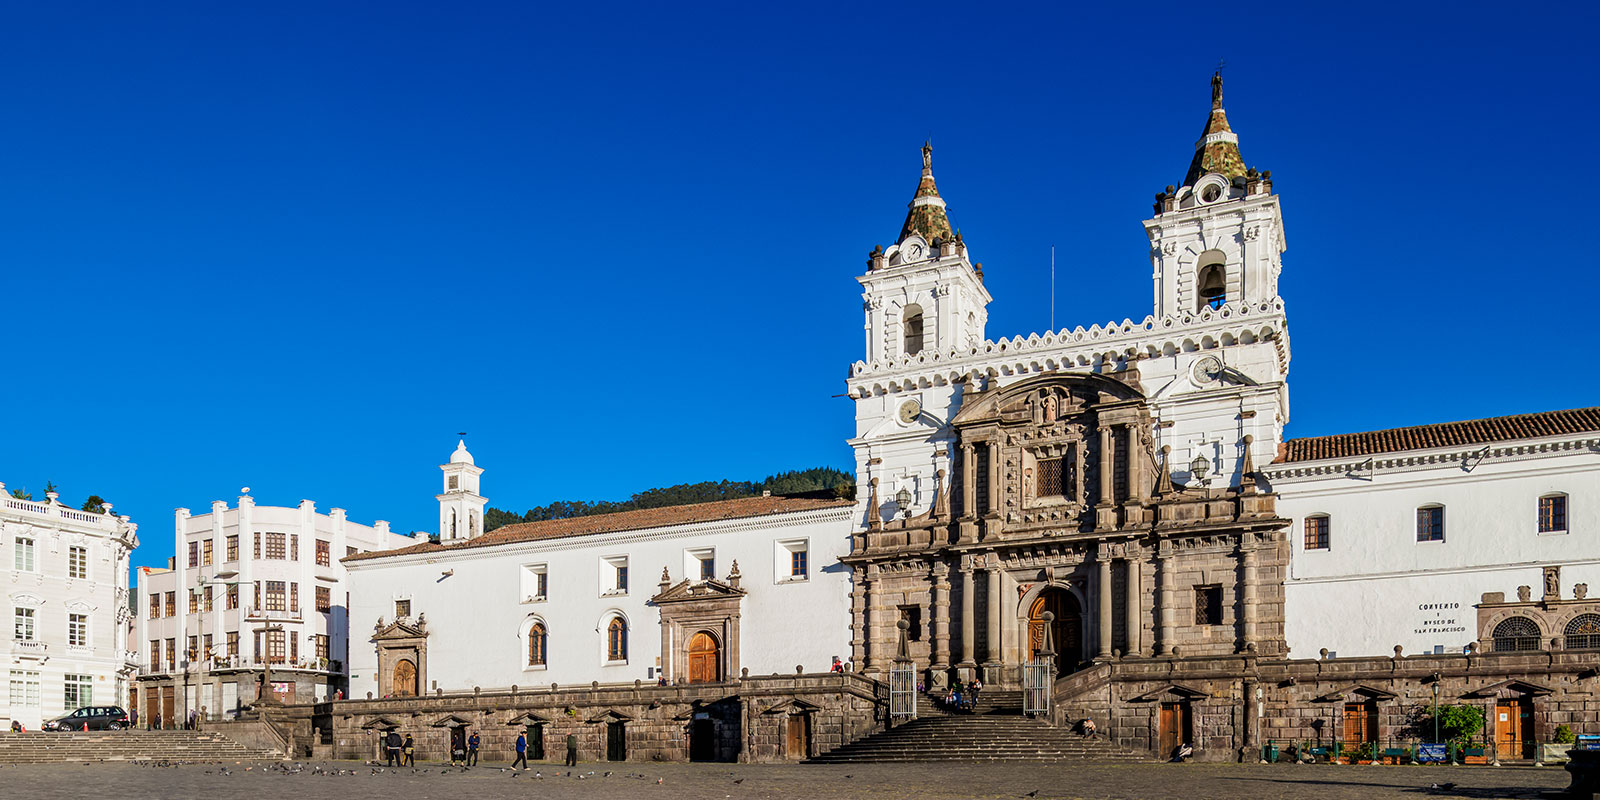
[1221,64]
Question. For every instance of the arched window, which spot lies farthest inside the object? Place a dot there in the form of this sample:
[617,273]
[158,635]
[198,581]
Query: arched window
[1318,527]
[913,329]
[1583,632]
[1212,285]
[617,640]
[538,641]
[1553,513]
[1517,633]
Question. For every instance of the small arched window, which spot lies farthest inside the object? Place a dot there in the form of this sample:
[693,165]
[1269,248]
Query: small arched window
[1516,633]
[538,641]
[913,329]
[1212,285]
[1318,528]
[617,640]
[1553,513]
[1583,632]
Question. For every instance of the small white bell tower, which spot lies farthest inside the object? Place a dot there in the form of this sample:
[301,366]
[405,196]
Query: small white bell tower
[460,506]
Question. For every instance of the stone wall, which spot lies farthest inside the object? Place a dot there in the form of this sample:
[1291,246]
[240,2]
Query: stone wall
[747,719]
[1238,703]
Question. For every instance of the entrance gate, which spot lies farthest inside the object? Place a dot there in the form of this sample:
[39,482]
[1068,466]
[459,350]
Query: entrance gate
[903,691]
[1038,678]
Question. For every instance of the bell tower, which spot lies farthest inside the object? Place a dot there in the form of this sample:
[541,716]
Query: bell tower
[460,505]
[922,294]
[1216,240]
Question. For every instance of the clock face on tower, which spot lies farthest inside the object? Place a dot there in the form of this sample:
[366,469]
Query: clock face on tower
[914,252]
[909,410]
[1207,369]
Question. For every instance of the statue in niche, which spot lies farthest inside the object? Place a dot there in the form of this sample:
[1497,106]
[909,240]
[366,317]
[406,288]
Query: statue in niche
[1051,407]
[1552,582]
[1027,483]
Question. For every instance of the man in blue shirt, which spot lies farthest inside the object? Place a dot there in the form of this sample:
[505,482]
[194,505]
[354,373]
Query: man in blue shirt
[472,749]
[522,751]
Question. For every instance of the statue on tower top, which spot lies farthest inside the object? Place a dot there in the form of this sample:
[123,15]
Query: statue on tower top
[927,157]
[1216,90]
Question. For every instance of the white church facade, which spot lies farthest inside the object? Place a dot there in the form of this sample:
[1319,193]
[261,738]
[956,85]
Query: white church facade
[686,594]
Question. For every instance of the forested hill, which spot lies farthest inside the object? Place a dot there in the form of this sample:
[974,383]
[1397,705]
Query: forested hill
[807,481]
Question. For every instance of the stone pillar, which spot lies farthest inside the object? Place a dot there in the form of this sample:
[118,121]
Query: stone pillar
[878,655]
[993,656]
[996,502]
[969,630]
[1247,606]
[858,616]
[1135,606]
[1104,610]
[1164,604]
[969,485]
[1107,464]
[940,613]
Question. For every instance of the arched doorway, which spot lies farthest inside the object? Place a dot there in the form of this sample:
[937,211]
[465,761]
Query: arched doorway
[405,679]
[1067,629]
[705,661]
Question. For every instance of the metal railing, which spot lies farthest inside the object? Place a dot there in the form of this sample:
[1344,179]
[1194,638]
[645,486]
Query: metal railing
[1477,749]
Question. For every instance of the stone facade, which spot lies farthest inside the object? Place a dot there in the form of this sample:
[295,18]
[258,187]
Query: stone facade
[750,718]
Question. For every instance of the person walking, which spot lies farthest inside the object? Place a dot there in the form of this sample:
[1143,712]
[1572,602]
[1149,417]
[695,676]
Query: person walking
[472,749]
[411,752]
[133,718]
[572,750]
[522,751]
[391,748]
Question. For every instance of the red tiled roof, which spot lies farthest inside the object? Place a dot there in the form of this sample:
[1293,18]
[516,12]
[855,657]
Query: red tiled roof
[1444,434]
[622,521]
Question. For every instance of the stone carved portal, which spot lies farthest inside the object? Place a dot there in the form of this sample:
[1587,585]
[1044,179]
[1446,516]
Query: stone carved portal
[699,629]
[1066,631]
[402,657]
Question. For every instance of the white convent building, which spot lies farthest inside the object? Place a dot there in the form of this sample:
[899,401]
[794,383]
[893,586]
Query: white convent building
[693,593]
[1397,534]
[66,588]
[250,586]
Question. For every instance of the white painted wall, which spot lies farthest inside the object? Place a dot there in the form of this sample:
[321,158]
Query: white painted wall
[45,587]
[478,615]
[1376,586]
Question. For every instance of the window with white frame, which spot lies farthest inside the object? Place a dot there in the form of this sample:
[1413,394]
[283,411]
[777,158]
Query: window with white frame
[78,630]
[77,562]
[1430,524]
[1553,513]
[617,639]
[614,575]
[24,555]
[24,631]
[79,691]
[535,582]
[791,560]
[700,564]
[24,688]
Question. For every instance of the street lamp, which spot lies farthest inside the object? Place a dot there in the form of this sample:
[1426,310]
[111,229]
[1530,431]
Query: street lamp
[1199,467]
[1436,711]
[903,498]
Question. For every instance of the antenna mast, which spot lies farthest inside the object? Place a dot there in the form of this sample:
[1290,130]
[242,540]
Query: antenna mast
[1052,287]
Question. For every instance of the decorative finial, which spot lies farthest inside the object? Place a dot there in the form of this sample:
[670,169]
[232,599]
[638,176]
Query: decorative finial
[927,157]
[1216,88]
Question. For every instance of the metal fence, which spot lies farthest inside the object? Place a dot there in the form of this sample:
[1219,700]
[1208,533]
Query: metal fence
[903,692]
[1476,750]
[1036,685]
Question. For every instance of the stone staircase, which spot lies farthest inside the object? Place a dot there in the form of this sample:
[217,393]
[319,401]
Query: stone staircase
[185,746]
[995,730]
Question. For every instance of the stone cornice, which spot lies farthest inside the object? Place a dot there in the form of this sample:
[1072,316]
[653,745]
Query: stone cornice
[1416,460]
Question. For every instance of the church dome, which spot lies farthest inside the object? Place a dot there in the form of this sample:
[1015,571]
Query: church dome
[461,456]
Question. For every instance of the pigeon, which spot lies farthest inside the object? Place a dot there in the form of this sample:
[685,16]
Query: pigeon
[1034,793]
[739,781]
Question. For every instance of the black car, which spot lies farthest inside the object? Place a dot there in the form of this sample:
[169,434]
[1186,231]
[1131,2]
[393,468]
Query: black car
[97,718]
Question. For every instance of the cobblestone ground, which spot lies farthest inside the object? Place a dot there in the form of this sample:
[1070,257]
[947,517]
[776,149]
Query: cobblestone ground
[779,782]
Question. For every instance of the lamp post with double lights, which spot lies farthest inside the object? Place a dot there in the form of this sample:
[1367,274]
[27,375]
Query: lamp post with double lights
[222,579]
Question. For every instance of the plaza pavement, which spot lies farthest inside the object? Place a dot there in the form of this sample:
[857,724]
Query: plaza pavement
[774,782]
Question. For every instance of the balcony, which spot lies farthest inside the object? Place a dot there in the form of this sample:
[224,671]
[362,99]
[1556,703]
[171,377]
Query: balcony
[267,615]
[29,648]
[51,508]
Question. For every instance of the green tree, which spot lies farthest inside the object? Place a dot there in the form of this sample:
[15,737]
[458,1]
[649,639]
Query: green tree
[22,494]
[1457,723]
[94,505]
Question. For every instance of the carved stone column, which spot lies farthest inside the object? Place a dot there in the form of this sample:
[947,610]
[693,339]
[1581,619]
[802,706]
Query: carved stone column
[993,656]
[1107,464]
[996,502]
[941,616]
[1134,610]
[969,485]
[1247,606]
[1164,604]
[858,617]
[1104,610]
[969,630]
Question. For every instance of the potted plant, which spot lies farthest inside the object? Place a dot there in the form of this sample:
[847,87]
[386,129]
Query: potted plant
[1555,752]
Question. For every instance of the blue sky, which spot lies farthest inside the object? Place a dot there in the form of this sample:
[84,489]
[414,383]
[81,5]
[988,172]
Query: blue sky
[298,247]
